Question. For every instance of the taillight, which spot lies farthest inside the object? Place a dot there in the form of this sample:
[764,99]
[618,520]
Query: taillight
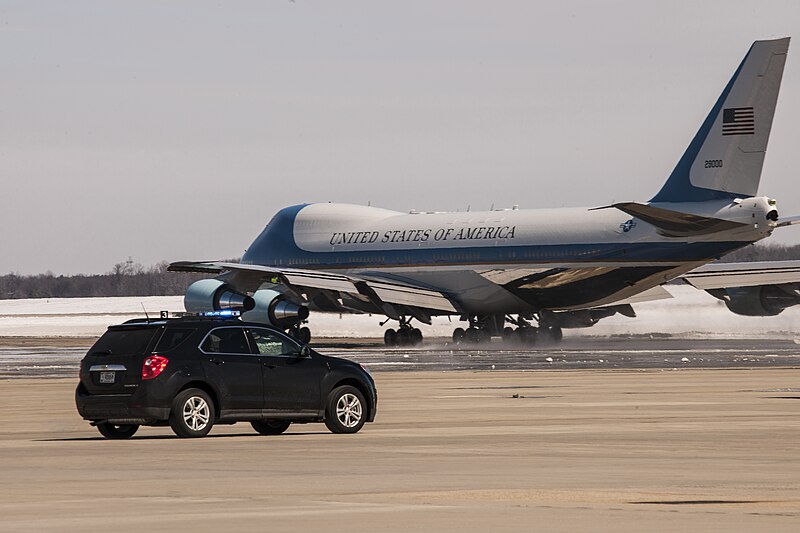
[153,365]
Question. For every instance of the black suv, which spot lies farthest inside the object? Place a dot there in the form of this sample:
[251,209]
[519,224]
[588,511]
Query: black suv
[193,372]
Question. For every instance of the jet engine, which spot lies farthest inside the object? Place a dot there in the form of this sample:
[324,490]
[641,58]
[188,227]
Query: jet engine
[215,295]
[276,309]
[762,300]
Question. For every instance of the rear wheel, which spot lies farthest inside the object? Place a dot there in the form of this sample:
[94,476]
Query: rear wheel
[345,411]
[192,414]
[117,431]
[270,427]
[458,335]
[416,336]
[390,337]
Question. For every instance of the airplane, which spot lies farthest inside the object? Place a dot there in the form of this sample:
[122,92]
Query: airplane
[527,274]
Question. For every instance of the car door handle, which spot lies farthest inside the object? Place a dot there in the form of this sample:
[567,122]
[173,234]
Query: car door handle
[270,365]
[217,361]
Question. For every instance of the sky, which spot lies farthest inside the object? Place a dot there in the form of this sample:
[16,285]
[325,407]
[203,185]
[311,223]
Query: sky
[174,130]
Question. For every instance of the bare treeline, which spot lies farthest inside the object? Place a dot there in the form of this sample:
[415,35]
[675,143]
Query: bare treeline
[125,279]
[763,252]
[132,279]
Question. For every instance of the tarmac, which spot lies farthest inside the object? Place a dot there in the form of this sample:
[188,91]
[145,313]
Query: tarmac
[708,444]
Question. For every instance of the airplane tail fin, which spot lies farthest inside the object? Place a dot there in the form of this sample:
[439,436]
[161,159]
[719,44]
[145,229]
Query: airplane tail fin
[724,159]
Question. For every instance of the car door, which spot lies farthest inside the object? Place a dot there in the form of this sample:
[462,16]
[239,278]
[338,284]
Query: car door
[232,367]
[292,382]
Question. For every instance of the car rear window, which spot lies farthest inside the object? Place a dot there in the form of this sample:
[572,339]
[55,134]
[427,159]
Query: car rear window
[173,337]
[124,341]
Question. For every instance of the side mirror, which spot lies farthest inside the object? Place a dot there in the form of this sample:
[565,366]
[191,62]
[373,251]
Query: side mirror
[305,351]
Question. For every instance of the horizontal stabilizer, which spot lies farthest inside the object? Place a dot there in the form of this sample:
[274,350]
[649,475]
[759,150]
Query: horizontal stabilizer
[675,223]
[788,221]
[202,267]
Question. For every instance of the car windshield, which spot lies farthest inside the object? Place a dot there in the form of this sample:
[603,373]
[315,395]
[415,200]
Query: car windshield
[123,341]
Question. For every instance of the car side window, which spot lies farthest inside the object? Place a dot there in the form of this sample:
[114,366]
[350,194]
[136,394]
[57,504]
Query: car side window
[270,343]
[226,340]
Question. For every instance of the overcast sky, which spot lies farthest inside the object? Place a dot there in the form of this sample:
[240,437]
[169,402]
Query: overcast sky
[175,130]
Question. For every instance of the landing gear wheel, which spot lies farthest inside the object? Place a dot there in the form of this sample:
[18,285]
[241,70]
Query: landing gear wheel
[270,427]
[508,333]
[528,335]
[404,336]
[553,334]
[304,335]
[416,336]
[472,336]
[117,431]
[458,335]
[192,414]
[390,337]
[345,411]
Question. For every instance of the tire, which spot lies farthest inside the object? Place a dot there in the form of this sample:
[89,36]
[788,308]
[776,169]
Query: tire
[472,336]
[390,337]
[416,336]
[458,335]
[270,427]
[117,431]
[553,334]
[528,335]
[192,414]
[346,410]
[508,334]
[404,337]
[304,335]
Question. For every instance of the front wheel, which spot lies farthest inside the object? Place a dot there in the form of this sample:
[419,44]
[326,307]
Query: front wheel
[192,414]
[345,411]
[270,427]
[117,431]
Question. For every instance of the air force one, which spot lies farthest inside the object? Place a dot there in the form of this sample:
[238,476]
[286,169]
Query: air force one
[526,274]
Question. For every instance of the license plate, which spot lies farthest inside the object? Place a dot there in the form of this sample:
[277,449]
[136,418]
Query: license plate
[107,377]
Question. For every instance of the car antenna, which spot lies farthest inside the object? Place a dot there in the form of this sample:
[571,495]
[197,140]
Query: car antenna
[145,311]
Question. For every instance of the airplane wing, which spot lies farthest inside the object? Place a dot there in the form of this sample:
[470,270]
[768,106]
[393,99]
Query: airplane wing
[759,288]
[342,292]
[749,274]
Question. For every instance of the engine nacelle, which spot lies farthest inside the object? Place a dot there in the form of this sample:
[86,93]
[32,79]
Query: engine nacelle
[215,295]
[274,308]
[762,300]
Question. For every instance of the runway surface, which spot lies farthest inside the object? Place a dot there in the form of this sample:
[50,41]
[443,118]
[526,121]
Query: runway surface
[621,450]
[59,357]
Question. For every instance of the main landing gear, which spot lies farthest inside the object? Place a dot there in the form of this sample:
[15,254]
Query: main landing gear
[482,328]
[405,335]
[300,334]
